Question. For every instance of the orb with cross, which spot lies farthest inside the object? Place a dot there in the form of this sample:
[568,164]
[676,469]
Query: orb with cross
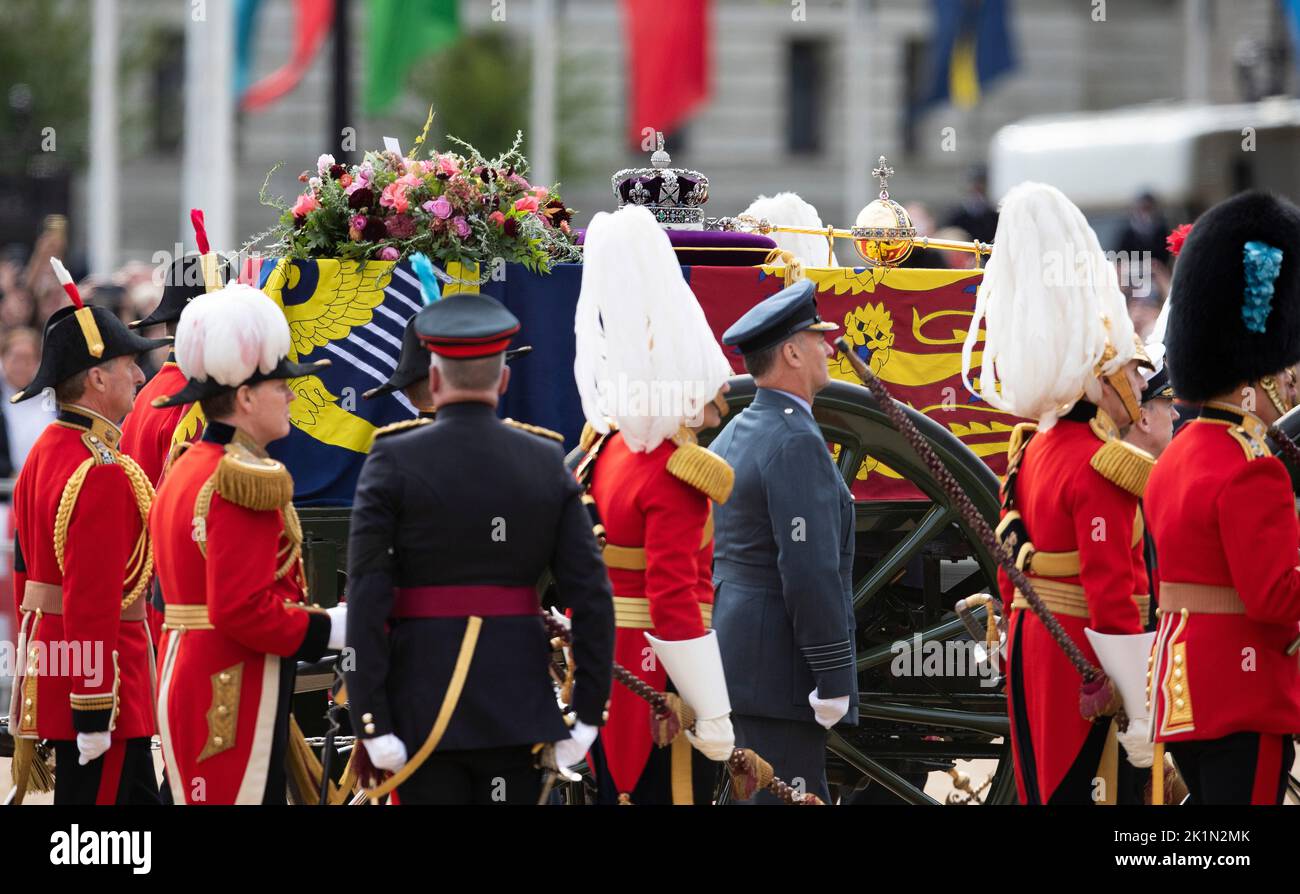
[883,233]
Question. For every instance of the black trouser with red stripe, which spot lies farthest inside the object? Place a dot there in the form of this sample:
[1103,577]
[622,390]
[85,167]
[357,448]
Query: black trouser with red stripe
[1242,768]
[122,775]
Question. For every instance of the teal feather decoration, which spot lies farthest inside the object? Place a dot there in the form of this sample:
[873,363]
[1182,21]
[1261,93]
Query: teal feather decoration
[1262,264]
[430,287]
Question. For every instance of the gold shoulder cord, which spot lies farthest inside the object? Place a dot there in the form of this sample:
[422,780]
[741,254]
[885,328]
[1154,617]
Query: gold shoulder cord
[288,555]
[700,468]
[140,564]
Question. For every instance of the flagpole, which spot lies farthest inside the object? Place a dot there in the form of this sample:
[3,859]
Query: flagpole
[103,217]
[857,147]
[541,136]
[207,163]
[1196,55]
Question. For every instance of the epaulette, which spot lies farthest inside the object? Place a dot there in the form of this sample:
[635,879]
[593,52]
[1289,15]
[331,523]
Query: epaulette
[102,453]
[535,430]
[1250,438]
[1120,463]
[590,436]
[404,425]
[252,481]
[700,468]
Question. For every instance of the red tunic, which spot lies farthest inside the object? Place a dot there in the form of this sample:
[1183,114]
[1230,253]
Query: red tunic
[643,505]
[1068,505]
[219,688]
[94,670]
[1222,512]
[147,431]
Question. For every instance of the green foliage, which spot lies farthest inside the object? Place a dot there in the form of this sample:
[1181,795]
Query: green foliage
[46,53]
[478,87]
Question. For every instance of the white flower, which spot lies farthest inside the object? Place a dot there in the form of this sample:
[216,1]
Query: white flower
[324,163]
[314,183]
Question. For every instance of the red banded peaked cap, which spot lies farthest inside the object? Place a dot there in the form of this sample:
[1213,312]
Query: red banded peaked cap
[466,326]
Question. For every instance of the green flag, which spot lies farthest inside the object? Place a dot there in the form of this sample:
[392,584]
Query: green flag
[400,33]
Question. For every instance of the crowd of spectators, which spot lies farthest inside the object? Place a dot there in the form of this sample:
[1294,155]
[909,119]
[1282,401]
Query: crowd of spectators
[29,294]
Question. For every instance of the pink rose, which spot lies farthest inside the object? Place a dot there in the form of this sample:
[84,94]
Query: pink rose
[497,218]
[388,253]
[394,196]
[359,222]
[520,182]
[440,208]
[361,181]
[410,181]
[527,203]
[542,193]
[447,165]
[462,227]
[324,163]
[305,205]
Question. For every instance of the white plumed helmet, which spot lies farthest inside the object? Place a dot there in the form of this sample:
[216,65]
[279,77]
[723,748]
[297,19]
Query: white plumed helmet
[228,335]
[646,357]
[1051,306]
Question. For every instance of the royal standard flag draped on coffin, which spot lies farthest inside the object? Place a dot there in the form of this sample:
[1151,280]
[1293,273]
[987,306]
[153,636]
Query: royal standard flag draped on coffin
[351,314]
[907,324]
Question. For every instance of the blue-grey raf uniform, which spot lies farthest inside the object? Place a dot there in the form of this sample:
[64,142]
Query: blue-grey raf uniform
[783,561]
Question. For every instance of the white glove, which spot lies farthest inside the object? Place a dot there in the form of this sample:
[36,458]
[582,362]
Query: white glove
[93,745]
[562,618]
[338,628]
[714,738]
[829,711]
[1141,753]
[572,750]
[387,752]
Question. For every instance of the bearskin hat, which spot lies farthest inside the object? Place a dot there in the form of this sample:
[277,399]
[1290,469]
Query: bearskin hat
[1235,313]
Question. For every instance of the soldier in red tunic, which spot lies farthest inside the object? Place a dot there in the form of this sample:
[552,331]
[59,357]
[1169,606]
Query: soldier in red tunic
[150,432]
[228,546]
[1225,692]
[1061,350]
[82,564]
[649,371]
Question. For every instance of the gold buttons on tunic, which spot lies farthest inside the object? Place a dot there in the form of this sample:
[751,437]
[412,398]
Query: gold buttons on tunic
[218,741]
[367,717]
[1179,703]
[370,729]
[224,677]
[1178,659]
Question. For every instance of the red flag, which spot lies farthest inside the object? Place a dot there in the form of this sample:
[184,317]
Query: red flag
[312,22]
[668,48]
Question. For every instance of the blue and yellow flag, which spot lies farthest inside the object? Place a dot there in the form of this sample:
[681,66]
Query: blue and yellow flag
[352,314]
[970,47]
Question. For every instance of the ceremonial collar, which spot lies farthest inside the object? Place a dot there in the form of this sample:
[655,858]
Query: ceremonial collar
[467,408]
[77,416]
[224,433]
[1082,411]
[1231,413]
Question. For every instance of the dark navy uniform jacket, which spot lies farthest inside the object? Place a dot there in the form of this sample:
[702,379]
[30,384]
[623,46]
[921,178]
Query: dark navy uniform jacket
[465,500]
[783,563]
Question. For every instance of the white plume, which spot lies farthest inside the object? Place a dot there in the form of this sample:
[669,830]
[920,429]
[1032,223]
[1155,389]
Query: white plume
[1050,301]
[788,209]
[646,356]
[229,334]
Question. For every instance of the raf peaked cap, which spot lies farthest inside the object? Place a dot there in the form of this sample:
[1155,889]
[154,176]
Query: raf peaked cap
[773,320]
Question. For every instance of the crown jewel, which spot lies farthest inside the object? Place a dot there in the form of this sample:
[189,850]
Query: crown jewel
[674,195]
